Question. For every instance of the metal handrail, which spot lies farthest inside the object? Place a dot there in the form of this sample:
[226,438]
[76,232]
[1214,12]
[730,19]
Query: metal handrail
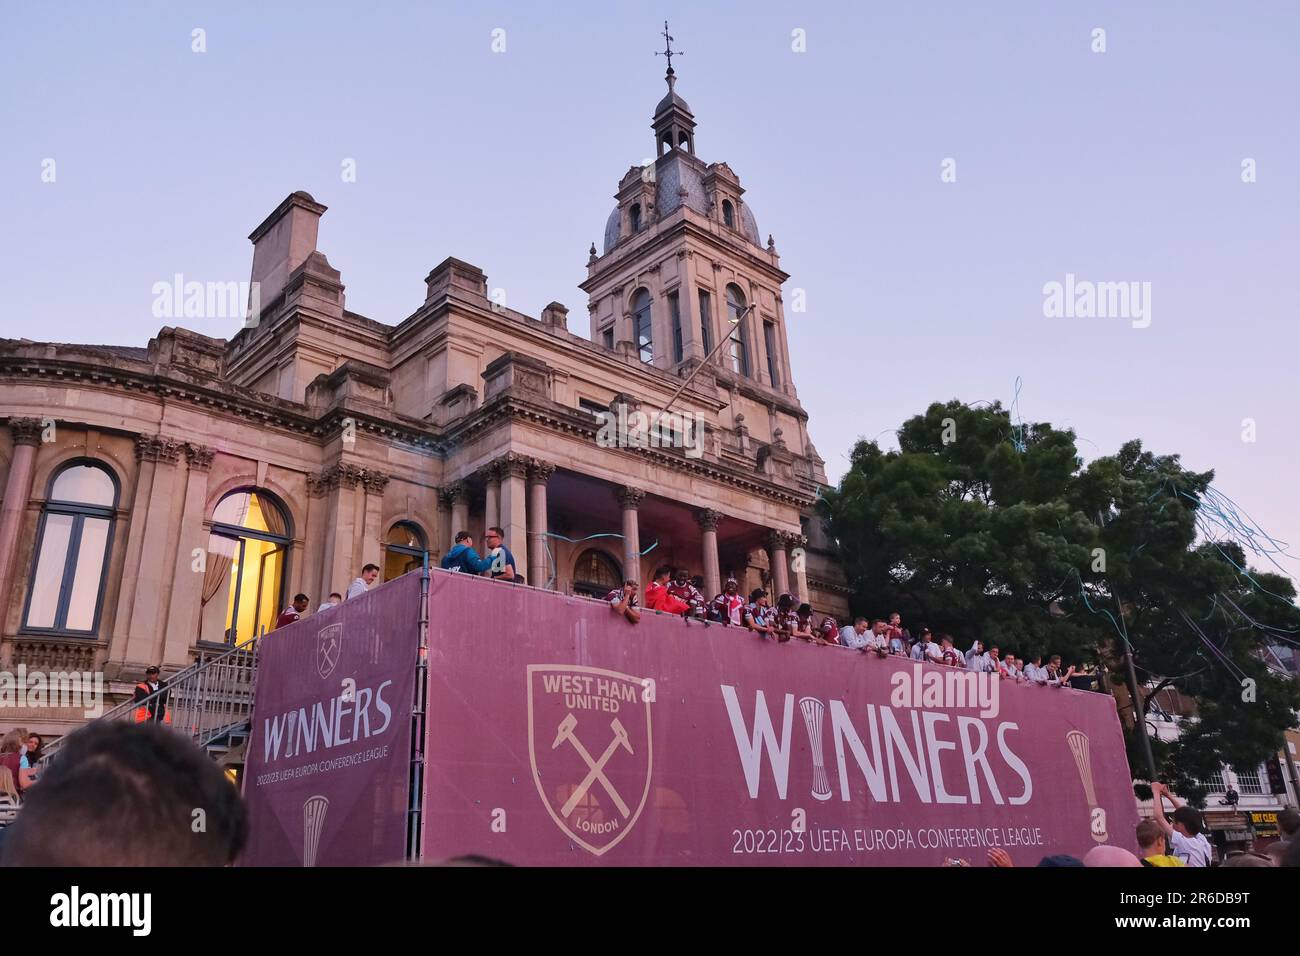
[204,700]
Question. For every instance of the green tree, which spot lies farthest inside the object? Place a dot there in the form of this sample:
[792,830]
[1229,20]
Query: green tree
[983,528]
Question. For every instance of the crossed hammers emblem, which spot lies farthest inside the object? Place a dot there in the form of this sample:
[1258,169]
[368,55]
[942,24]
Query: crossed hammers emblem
[596,768]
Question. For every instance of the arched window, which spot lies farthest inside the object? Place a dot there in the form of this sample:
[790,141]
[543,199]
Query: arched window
[728,214]
[596,574]
[634,217]
[738,345]
[244,569]
[641,333]
[404,550]
[76,530]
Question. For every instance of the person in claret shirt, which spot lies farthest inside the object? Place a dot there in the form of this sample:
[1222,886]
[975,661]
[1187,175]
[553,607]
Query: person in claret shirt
[683,590]
[659,598]
[829,632]
[757,615]
[294,611]
[948,654]
[728,607]
[898,636]
[623,600]
[785,620]
[803,623]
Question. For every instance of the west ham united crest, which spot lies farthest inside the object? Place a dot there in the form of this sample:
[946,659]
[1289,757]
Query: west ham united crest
[591,749]
[329,645]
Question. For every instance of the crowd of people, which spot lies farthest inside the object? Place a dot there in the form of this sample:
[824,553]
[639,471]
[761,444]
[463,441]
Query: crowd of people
[674,591]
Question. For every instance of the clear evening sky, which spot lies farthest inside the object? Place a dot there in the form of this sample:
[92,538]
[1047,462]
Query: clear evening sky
[1122,166]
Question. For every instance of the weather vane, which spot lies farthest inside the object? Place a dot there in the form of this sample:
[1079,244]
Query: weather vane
[669,52]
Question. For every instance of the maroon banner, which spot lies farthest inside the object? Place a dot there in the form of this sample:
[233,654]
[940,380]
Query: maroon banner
[559,733]
[327,777]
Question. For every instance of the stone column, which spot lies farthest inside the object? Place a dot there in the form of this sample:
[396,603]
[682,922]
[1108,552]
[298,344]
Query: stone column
[372,543]
[492,496]
[337,564]
[444,523]
[797,543]
[458,494]
[514,509]
[18,490]
[539,570]
[314,530]
[630,498]
[146,641]
[182,628]
[708,521]
[776,542]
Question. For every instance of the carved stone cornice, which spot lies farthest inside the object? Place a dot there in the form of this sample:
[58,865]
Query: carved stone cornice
[375,481]
[629,497]
[539,472]
[199,457]
[708,519]
[158,448]
[513,465]
[341,475]
[26,431]
[317,485]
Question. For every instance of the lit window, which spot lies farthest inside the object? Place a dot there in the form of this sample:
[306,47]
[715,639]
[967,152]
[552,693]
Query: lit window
[244,572]
[404,550]
[76,528]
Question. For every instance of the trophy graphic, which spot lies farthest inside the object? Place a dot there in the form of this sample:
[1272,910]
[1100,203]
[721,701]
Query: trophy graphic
[313,821]
[1078,743]
[812,720]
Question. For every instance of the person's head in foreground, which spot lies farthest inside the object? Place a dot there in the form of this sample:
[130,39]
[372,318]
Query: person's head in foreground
[124,794]
[1187,821]
[1152,845]
[1110,856]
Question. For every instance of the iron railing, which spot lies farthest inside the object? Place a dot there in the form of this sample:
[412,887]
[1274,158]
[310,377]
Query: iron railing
[207,700]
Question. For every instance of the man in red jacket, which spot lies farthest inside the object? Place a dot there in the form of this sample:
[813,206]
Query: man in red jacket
[657,597]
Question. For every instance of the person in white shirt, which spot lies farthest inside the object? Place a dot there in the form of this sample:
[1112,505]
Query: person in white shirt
[877,639]
[1034,671]
[855,636]
[362,584]
[976,650]
[1009,668]
[335,600]
[980,662]
[1186,841]
[925,649]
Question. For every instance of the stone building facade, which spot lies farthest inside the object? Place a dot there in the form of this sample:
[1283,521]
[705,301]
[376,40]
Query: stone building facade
[166,499]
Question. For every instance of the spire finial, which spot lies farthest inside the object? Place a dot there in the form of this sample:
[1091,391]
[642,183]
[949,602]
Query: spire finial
[670,77]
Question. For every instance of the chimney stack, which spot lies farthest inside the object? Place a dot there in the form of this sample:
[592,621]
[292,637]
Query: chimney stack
[283,242]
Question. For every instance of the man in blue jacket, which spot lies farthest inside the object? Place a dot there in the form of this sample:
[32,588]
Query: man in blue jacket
[463,557]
